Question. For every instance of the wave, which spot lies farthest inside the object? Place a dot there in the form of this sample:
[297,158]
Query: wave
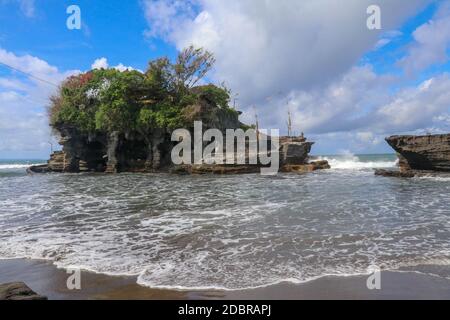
[180,232]
[352,162]
[414,266]
[142,281]
[17,166]
[436,177]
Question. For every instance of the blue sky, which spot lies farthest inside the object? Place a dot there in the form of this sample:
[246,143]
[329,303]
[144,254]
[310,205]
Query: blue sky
[347,87]
[109,28]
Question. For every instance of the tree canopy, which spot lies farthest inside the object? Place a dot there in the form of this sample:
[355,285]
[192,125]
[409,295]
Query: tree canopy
[108,100]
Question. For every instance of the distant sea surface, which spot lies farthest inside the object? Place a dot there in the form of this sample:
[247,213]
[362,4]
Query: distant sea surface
[12,167]
[228,232]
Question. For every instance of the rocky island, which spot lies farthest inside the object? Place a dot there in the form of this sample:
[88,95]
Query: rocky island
[420,155]
[115,121]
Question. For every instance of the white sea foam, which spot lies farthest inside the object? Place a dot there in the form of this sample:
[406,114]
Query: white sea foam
[352,162]
[16,166]
[435,178]
[234,232]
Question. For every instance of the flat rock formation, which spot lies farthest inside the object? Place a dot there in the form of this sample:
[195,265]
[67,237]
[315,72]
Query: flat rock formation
[420,155]
[412,174]
[224,169]
[38,169]
[218,169]
[308,167]
[294,153]
[18,291]
[394,173]
[430,152]
[116,153]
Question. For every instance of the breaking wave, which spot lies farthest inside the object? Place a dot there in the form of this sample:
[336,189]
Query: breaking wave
[353,162]
[17,166]
[231,232]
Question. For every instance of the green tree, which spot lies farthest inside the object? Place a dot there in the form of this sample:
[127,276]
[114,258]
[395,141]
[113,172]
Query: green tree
[109,100]
[120,101]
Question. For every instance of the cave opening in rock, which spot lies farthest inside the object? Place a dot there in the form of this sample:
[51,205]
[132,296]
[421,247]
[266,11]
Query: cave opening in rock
[94,158]
[132,155]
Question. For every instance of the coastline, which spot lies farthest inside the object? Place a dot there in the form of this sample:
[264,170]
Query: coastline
[417,283]
[46,279]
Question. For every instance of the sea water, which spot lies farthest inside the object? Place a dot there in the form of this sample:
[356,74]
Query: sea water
[228,232]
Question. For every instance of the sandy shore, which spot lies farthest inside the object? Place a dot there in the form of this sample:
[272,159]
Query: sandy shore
[47,280]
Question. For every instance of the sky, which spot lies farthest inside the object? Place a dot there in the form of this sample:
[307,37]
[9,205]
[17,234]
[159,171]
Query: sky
[346,86]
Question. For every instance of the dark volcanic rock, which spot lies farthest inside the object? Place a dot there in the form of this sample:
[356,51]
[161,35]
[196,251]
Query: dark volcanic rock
[412,174]
[38,169]
[150,151]
[295,153]
[211,116]
[18,291]
[132,151]
[224,169]
[304,168]
[293,159]
[394,173]
[430,152]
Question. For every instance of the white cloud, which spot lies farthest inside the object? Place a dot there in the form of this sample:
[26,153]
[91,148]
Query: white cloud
[23,119]
[358,110]
[264,47]
[166,17]
[102,63]
[27,63]
[339,106]
[416,107]
[23,100]
[443,118]
[27,7]
[303,56]
[279,55]
[123,68]
[8,83]
[432,42]
[362,102]
[368,137]
[23,124]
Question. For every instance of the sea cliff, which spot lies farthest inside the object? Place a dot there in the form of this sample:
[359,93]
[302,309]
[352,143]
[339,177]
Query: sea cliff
[420,155]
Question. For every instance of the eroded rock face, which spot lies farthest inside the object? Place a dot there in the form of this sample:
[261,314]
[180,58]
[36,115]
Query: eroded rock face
[18,291]
[412,174]
[395,174]
[212,116]
[224,169]
[298,158]
[430,152]
[122,155]
[80,153]
[305,168]
[131,152]
[295,153]
[134,151]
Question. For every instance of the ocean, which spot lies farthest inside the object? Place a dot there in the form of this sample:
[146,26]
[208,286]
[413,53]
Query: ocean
[228,232]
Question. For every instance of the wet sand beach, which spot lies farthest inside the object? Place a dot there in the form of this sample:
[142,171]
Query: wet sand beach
[46,279]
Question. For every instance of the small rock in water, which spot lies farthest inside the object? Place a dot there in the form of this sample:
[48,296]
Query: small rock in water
[18,291]
[309,167]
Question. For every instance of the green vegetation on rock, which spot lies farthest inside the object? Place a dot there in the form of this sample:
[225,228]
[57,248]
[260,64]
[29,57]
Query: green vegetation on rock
[109,100]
